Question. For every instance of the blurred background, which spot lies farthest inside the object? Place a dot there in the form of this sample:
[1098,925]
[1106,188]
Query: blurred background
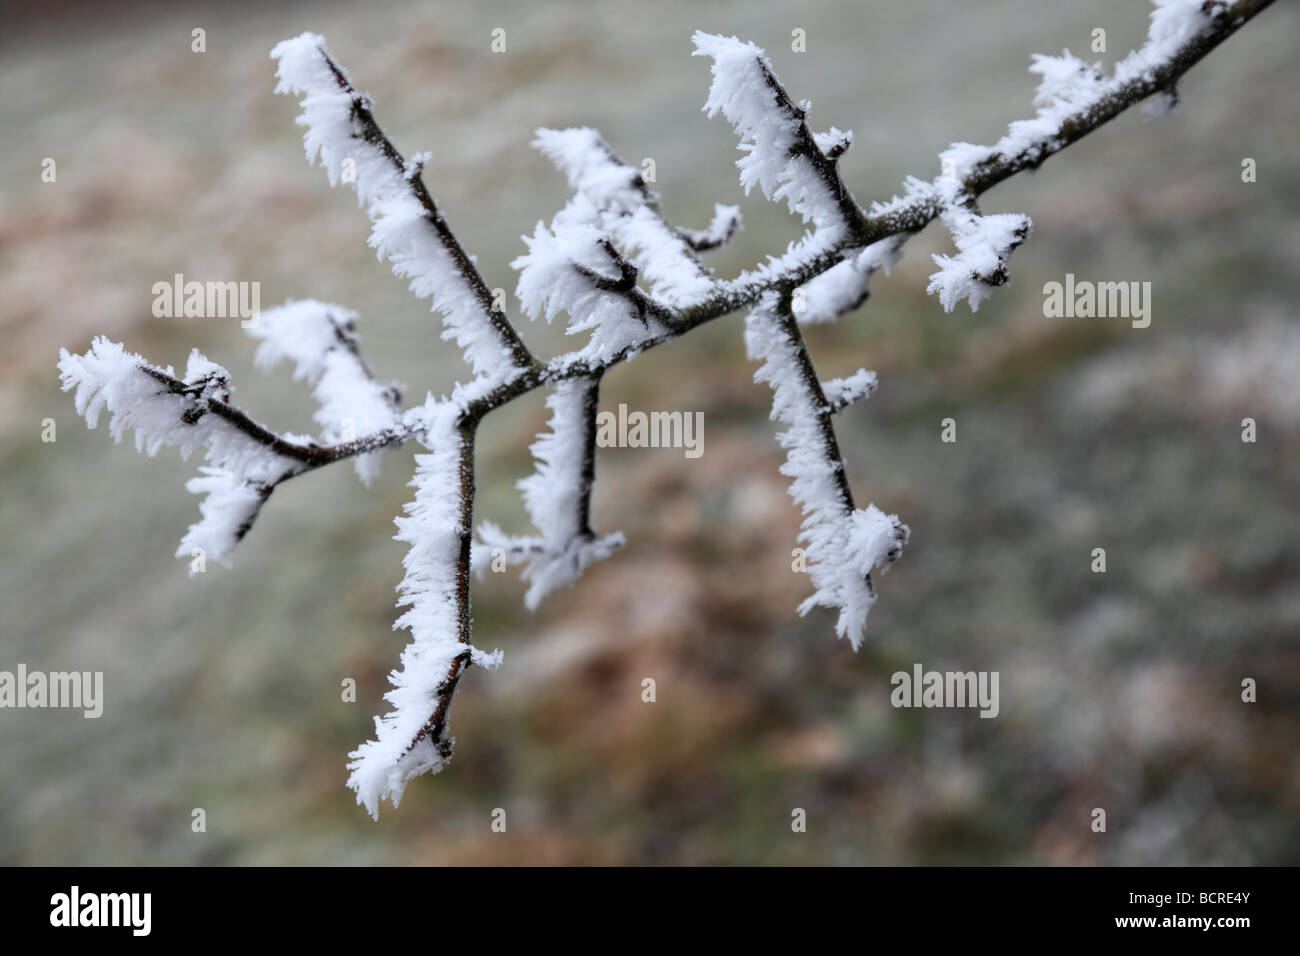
[1119,690]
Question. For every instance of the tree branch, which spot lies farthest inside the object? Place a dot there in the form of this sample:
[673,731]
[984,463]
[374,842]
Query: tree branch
[842,544]
[558,497]
[307,455]
[368,130]
[614,219]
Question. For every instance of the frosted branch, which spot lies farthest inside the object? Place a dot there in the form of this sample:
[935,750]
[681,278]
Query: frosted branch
[843,544]
[412,738]
[558,497]
[984,244]
[842,392]
[322,342]
[245,459]
[845,286]
[612,197]
[590,263]
[782,156]
[574,267]
[408,229]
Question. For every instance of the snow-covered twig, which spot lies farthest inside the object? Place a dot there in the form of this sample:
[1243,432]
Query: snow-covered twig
[408,228]
[782,155]
[843,392]
[573,267]
[558,497]
[845,286]
[322,342]
[843,544]
[1074,100]
[412,738]
[724,225]
[614,198]
[246,459]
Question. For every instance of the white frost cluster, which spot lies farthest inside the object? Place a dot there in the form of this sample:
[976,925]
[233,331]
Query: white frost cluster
[843,392]
[402,231]
[1066,80]
[229,507]
[549,284]
[433,527]
[320,340]
[842,544]
[845,286]
[591,169]
[1068,88]
[726,222]
[742,93]
[553,497]
[109,377]
[1174,24]
[610,197]
[834,140]
[984,244]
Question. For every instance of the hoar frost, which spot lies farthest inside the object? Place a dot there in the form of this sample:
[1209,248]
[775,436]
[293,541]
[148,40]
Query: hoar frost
[629,279]
[844,545]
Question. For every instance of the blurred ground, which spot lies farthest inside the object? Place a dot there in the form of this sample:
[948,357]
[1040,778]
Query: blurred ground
[1118,691]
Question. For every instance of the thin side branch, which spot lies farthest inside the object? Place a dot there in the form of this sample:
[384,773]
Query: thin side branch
[308,455]
[371,133]
[843,545]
